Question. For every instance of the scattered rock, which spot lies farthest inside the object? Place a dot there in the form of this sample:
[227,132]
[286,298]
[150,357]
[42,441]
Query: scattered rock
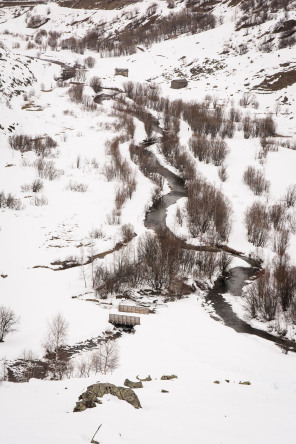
[245,383]
[89,399]
[132,384]
[145,379]
[164,391]
[216,382]
[168,377]
[227,380]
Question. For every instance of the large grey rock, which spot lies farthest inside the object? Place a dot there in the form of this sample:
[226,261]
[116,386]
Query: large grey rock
[89,399]
[133,385]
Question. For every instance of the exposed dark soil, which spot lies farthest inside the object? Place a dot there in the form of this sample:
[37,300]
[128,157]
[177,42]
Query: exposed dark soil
[277,81]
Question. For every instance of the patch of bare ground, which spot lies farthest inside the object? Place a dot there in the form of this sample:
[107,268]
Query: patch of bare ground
[92,4]
[278,81]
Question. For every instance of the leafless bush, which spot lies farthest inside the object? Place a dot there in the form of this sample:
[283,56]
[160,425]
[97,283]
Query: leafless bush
[9,201]
[97,233]
[96,84]
[208,209]
[246,99]
[290,196]
[113,218]
[42,145]
[222,173]
[285,281]
[281,242]
[79,187]
[256,220]
[39,201]
[255,181]
[47,169]
[35,21]
[76,93]
[128,232]
[89,62]
[261,297]
[277,215]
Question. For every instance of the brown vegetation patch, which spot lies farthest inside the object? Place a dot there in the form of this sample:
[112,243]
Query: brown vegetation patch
[91,4]
[278,81]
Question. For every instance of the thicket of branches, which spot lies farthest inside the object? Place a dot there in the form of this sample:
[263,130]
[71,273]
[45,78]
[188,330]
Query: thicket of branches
[274,292]
[159,262]
[141,31]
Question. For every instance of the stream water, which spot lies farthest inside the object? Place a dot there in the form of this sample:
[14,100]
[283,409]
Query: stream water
[238,276]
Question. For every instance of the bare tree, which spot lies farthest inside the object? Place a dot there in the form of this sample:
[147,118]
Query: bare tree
[8,322]
[57,333]
[109,356]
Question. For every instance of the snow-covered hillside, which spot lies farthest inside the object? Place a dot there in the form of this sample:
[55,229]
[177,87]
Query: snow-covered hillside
[75,188]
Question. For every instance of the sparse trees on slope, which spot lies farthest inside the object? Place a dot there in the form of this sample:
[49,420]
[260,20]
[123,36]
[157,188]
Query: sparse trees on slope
[57,333]
[8,322]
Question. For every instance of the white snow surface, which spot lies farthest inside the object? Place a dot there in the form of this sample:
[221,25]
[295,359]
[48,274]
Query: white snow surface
[181,338]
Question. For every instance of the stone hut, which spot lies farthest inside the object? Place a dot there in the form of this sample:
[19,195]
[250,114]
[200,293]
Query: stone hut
[179,83]
[121,72]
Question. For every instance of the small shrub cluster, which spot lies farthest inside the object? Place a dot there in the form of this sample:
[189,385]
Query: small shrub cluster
[159,262]
[257,224]
[142,31]
[120,169]
[256,181]
[9,201]
[209,211]
[34,187]
[209,150]
[79,187]
[47,169]
[42,145]
[274,291]
[263,128]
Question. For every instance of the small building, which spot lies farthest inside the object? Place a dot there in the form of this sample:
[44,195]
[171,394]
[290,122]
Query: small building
[179,83]
[133,309]
[121,72]
[123,320]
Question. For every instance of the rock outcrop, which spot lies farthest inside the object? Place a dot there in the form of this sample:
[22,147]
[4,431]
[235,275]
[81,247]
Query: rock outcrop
[89,399]
[148,378]
[168,377]
[133,385]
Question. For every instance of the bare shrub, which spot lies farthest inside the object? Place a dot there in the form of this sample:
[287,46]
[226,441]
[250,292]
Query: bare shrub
[37,185]
[281,242]
[255,180]
[76,93]
[96,84]
[128,232]
[285,280]
[39,201]
[222,173]
[47,169]
[42,145]
[277,215]
[208,209]
[261,297]
[79,187]
[97,233]
[89,62]
[290,196]
[219,152]
[9,201]
[256,220]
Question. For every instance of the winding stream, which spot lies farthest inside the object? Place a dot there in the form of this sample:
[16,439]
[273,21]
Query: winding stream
[238,276]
